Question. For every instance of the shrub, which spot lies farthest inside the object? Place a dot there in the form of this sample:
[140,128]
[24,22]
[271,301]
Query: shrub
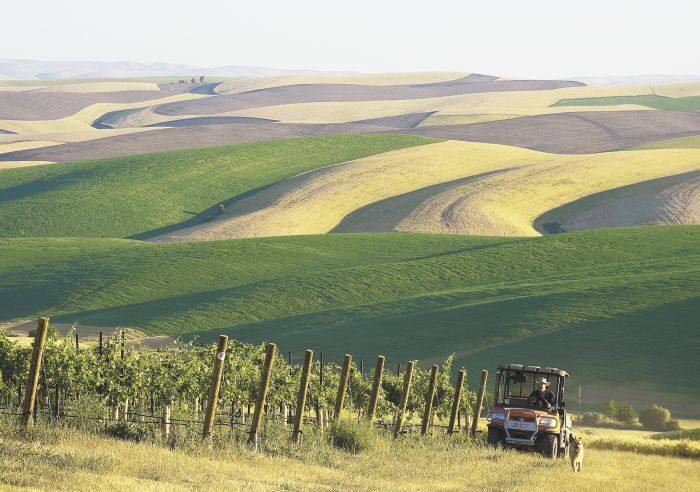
[127,431]
[610,409]
[592,418]
[51,333]
[627,414]
[353,436]
[655,417]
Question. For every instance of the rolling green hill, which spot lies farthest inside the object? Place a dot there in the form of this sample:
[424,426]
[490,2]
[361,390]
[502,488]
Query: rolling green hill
[130,196]
[618,308]
[690,103]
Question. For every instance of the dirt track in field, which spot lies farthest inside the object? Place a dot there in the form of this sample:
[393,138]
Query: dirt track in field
[574,133]
[305,93]
[669,200]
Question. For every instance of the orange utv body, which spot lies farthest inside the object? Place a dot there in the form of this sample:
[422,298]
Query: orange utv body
[515,422]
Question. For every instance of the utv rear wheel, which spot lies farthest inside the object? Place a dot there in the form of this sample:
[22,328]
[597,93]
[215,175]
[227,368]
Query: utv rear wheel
[495,437]
[548,445]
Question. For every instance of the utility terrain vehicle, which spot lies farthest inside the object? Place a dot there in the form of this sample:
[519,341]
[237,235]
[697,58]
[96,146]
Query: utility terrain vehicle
[518,421]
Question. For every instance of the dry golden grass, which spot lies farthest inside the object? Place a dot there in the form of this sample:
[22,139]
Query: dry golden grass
[18,164]
[69,136]
[315,202]
[507,203]
[25,145]
[70,460]
[678,90]
[83,119]
[251,84]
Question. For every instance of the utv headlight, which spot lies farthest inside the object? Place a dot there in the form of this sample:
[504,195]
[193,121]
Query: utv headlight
[548,422]
[498,416]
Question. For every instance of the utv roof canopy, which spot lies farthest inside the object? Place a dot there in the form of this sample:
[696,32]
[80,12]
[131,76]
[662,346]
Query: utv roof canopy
[533,369]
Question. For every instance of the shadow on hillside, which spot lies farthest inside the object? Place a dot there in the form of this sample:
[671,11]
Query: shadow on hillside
[197,217]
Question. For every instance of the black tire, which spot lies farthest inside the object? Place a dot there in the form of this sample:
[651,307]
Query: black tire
[548,445]
[495,437]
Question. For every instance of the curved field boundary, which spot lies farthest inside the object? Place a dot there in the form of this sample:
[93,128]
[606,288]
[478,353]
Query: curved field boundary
[571,133]
[399,78]
[137,195]
[449,187]
[385,215]
[669,200]
[31,106]
[211,120]
[566,133]
[520,103]
[509,203]
[691,103]
[83,119]
[307,93]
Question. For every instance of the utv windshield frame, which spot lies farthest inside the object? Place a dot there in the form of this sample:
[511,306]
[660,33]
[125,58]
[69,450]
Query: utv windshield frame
[515,383]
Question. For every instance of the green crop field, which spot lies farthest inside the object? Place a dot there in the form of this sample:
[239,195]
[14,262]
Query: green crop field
[615,307]
[690,103]
[130,196]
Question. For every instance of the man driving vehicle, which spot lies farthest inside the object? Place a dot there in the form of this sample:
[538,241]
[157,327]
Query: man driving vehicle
[542,397]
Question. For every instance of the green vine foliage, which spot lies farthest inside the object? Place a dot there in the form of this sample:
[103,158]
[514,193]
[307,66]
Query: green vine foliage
[182,372]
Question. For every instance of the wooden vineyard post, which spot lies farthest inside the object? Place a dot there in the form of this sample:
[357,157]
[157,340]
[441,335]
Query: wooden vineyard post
[496,382]
[428,412]
[320,370]
[407,378]
[301,397]
[479,401]
[262,395]
[342,386]
[99,346]
[215,386]
[77,343]
[289,358]
[398,369]
[34,370]
[376,387]
[165,422]
[456,402]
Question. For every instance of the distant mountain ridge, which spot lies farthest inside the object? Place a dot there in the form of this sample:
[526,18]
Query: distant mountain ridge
[11,69]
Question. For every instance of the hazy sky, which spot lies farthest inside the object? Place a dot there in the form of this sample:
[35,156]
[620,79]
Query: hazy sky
[535,38]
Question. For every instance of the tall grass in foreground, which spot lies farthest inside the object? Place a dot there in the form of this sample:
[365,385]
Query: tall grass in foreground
[69,459]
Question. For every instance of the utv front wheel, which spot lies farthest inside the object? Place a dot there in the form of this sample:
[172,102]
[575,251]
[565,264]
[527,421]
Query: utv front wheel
[548,445]
[495,437]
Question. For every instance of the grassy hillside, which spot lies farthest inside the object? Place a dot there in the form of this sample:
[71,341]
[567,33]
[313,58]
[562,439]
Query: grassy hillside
[690,103]
[604,304]
[127,196]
